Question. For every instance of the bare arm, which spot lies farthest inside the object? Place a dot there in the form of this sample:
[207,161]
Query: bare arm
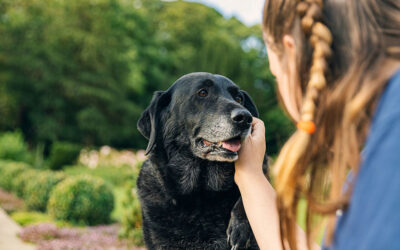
[258,196]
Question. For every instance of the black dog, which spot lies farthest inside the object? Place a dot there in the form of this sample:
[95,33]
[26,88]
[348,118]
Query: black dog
[186,188]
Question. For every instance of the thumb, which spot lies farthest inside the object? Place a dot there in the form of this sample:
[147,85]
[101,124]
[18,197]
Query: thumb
[258,128]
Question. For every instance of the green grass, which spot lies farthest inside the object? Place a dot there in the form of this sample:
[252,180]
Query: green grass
[117,176]
[26,218]
[301,213]
[301,220]
[119,193]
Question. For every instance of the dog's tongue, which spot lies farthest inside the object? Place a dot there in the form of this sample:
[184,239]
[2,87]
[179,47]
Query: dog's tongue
[232,145]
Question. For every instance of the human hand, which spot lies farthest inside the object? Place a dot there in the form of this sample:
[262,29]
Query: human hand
[251,155]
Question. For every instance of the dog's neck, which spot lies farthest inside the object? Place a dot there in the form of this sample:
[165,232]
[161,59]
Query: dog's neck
[187,174]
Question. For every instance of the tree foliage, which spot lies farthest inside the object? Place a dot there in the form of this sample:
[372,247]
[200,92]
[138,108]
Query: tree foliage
[83,70]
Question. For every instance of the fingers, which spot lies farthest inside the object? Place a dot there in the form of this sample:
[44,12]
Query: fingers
[258,128]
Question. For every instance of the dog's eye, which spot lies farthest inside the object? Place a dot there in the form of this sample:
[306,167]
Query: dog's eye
[203,93]
[239,99]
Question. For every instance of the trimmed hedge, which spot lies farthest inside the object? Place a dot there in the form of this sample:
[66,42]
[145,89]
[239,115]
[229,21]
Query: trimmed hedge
[20,182]
[37,190]
[82,199]
[9,171]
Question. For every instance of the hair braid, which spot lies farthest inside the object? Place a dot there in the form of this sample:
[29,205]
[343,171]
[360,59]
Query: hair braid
[340,95]
[288,185]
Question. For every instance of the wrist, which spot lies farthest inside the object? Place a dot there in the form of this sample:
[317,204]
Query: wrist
[250,184]
[246,177]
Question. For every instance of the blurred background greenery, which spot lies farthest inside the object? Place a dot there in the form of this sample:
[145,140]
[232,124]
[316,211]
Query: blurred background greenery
[75,75]
[82,71]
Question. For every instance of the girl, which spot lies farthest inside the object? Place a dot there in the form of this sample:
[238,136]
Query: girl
[337,65]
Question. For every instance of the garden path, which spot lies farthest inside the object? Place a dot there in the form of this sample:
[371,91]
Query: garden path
[8,234]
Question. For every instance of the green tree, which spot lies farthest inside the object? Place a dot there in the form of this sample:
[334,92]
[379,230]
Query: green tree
[73,69]
[198,38]
[83,70]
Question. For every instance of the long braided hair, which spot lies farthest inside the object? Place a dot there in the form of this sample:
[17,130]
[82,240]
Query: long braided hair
[347,49]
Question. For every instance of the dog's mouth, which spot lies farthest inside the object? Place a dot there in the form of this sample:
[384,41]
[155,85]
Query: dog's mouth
[224,150]
[220,148]
[231,145]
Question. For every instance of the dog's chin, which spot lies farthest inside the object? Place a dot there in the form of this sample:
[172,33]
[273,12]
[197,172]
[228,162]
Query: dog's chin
[223,151]
[220,156]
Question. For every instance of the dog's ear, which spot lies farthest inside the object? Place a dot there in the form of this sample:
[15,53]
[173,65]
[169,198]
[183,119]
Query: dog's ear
[249,104]
[148,124]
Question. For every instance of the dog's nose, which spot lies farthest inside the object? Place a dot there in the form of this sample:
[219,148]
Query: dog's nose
[241,116]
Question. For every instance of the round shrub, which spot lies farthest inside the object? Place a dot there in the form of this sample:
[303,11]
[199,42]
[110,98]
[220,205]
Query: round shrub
[10,171]
[21,181]
[82,199]
[37,191]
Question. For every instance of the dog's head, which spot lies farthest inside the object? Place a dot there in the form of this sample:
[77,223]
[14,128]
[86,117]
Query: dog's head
[205,112]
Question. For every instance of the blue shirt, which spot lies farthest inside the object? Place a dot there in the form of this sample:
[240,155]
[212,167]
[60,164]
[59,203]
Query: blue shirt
[372,221]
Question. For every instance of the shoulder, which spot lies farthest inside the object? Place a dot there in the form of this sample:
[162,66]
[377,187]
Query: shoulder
[384,135]
[381,154]
[389,103]
[372,220]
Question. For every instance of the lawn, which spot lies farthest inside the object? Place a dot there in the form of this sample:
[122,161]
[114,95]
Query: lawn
[119,194]
[301,220]
[117,176]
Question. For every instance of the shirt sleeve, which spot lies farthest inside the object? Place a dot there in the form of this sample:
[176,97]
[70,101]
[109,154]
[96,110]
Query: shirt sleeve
[372,220]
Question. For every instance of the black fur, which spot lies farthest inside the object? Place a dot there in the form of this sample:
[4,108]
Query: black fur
[188,196]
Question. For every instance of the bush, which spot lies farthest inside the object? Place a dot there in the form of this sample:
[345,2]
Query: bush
[131,216]
[3,165]
[63,153]
[82,199]
[37,190]
[13,147]
[9,171]
[21,181]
